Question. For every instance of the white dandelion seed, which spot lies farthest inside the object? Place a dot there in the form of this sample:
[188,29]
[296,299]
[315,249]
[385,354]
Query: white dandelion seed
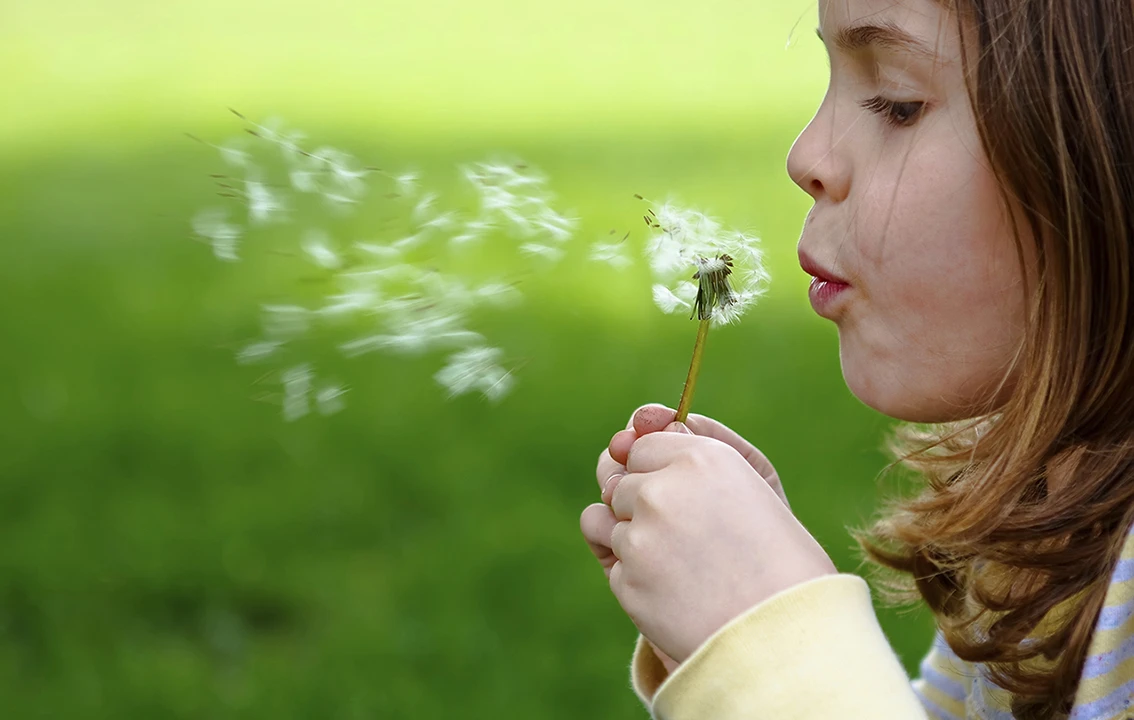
[350,302]
[668,300]
[444,221]
[234,153]
[543,251]
[406,183]
[423,207]
[329,399]
[264,206]
[284,322]
[258,351]
[289,144]
[317,245]
[338,201]
[410,242]
[498,294]
[303,181]
[473,231]
[613,254]
[212,224]
[296,383]
[378,251]
[476,370]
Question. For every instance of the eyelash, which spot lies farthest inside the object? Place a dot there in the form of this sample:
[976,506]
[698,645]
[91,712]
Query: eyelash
[898,114]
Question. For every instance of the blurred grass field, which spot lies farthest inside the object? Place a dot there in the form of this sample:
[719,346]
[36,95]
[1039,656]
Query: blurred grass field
[170,548]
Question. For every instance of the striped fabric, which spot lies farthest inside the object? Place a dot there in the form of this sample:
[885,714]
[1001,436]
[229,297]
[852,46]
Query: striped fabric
[952,689]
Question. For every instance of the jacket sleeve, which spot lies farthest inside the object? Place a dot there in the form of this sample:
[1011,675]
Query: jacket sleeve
[812,651]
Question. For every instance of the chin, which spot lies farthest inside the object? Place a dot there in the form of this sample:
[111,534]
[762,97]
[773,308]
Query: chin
[877,387]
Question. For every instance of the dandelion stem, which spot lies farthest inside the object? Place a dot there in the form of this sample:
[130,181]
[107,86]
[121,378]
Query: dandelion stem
[694,370]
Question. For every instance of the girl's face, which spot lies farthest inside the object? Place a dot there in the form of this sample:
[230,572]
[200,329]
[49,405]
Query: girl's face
[908,213]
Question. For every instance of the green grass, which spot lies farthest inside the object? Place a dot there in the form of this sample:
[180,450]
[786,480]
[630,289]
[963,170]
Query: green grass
[170,548]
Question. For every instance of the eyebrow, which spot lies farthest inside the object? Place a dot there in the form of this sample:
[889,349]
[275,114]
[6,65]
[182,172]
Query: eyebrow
[856,38]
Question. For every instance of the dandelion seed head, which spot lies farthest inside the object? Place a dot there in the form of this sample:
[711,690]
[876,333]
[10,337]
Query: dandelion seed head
[728,264]
[707,266]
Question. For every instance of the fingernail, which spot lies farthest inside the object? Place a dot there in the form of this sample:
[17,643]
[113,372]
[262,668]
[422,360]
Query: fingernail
[679,427]
[606,485]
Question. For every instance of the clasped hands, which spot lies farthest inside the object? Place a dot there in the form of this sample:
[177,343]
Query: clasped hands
[693,530]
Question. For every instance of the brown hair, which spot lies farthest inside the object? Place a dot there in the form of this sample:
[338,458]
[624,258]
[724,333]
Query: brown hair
[1025,509]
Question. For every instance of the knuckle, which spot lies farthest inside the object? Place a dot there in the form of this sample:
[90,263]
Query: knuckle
[650,495]
[631,541]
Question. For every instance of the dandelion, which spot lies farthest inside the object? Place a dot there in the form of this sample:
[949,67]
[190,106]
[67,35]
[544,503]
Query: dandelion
[728,270]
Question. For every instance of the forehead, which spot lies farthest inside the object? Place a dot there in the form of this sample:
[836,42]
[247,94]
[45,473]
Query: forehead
[908,26]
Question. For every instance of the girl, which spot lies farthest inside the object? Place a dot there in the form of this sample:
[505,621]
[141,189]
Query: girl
[972,171]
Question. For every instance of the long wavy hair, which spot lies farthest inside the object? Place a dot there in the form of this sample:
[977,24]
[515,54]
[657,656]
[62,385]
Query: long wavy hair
[997,554]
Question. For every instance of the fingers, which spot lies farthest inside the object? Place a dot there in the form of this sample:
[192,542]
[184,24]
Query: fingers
[620,445]
[606,468]
[708,427]
[622,495]
[597,523]
[612,460]
[659,450]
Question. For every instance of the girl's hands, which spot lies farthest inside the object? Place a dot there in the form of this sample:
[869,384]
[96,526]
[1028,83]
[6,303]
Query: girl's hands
[694,530]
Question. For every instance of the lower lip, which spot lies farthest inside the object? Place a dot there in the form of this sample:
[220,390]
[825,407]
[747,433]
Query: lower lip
[824,293]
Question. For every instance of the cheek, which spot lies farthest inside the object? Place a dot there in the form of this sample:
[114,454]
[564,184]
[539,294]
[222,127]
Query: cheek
[941,307]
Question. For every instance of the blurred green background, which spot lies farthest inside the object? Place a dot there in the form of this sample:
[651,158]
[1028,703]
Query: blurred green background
[170,548]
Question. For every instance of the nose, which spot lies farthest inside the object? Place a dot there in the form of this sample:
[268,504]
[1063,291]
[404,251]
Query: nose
[818,162]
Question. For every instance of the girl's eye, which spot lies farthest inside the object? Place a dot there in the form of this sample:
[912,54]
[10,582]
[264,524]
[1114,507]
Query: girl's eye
[898,114]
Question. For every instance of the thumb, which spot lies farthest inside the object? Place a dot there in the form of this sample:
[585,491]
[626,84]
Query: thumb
[652,418]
